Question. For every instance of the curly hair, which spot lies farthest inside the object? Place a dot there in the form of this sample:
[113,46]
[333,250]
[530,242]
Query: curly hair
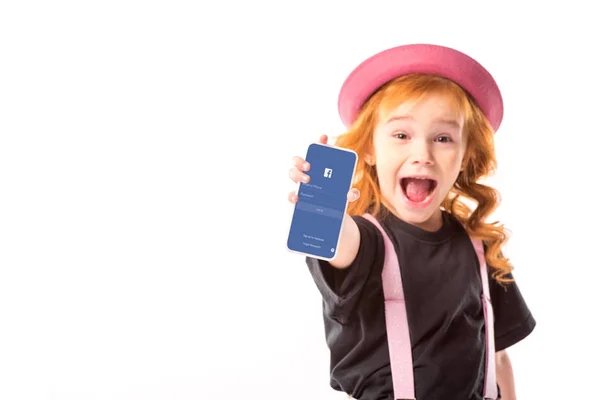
[470,201]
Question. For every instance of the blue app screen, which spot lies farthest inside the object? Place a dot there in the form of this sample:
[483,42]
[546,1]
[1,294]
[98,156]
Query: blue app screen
[319,212]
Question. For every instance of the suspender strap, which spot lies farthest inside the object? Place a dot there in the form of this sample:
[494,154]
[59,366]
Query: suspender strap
[490,389]
[397,323]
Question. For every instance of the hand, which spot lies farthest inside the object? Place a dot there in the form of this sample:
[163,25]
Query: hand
[297,175]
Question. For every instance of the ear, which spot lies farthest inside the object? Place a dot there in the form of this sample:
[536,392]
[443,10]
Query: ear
[369,159]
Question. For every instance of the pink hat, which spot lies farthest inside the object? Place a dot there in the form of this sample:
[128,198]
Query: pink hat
[383,67]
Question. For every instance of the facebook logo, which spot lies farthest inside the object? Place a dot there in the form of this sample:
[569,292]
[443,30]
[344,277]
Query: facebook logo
[328,172]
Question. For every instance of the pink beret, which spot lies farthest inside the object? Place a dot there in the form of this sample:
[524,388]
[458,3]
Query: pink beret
[383,67]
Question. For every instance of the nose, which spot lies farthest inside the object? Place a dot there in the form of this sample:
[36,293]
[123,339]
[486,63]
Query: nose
[421,153]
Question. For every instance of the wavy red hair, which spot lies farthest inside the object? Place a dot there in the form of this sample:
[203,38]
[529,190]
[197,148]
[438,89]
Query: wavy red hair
[470,201]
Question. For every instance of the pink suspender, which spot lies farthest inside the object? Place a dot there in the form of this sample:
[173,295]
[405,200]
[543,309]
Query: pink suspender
[397,324]
[396,321]
[490,389]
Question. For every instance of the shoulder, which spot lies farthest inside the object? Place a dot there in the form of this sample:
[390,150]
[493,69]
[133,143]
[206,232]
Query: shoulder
[367,227]
[513,319]
[371,245]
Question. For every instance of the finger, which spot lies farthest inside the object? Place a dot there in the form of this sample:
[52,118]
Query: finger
[293,197]
[298,176]
[300,163]
[353,195]
[323,139]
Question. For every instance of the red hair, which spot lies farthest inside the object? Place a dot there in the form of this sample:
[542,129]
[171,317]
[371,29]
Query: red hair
[480,161]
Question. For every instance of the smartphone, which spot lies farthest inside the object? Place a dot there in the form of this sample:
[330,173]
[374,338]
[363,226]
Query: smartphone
[318,215]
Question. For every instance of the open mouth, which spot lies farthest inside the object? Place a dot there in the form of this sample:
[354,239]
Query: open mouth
[417,189]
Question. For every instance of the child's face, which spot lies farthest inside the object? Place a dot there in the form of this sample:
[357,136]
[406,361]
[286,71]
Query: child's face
[419,140]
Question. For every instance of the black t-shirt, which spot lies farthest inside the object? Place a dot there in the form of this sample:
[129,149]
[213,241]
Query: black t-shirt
[442,286]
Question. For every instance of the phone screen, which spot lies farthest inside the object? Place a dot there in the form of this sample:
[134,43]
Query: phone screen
[318,215]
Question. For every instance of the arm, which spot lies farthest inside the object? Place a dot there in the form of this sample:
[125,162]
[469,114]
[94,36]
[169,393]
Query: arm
[349,244]
[513,322]
[340,286]
[504,375]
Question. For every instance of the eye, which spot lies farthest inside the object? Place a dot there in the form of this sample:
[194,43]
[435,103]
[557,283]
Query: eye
[444,139]
[400,135]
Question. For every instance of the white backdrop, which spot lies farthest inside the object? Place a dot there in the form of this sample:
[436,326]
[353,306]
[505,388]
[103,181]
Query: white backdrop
[144,155]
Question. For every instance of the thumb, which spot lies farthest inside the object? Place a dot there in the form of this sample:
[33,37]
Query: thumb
[353,195]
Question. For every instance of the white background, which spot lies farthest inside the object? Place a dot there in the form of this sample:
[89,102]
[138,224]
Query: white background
[144,155]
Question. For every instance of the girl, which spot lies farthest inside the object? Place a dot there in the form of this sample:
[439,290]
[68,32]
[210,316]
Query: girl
[421,119]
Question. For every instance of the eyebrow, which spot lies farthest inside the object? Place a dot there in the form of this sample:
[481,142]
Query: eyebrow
[444,121]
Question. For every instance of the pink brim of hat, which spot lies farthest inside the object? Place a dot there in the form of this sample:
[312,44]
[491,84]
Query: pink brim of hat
[387,65]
